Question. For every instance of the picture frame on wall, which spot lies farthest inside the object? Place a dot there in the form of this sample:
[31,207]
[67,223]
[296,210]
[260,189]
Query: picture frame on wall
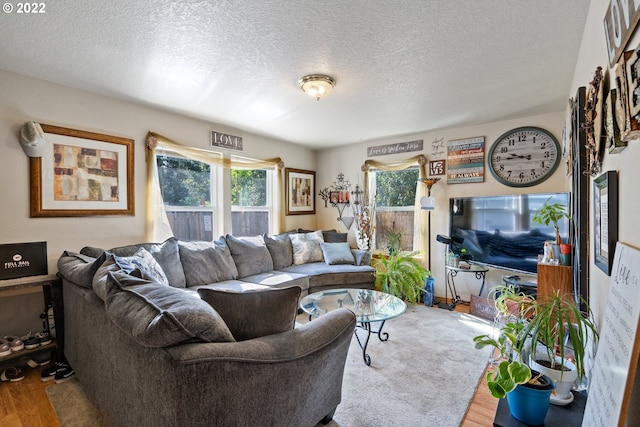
[82,174]
[300,191]
[605,189]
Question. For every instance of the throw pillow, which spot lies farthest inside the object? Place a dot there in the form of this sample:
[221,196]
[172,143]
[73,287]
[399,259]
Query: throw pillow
[255,313]
[166,253]
[80,273]
[148,264]
[334,237]
[207,262]
[306,247]
[280,249]
[157,315]
[250,255]
[111,263]
[337,253]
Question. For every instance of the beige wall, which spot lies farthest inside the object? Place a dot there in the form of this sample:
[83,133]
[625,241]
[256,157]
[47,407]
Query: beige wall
[348,160]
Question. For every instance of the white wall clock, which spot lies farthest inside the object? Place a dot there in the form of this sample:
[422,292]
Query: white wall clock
[524,157]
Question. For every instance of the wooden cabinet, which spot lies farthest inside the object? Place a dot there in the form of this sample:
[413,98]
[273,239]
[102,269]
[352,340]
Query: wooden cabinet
[554,277]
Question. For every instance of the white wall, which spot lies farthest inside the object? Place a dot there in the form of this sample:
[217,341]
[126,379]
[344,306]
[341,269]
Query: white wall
[348,160]
[592,55]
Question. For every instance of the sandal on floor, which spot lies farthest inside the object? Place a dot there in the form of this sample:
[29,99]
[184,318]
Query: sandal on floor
[12,374]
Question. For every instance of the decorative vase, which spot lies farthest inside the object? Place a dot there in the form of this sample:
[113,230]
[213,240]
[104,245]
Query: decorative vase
[529,403]
[428,291]
[565,253]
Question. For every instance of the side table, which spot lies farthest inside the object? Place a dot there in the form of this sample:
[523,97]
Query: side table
[451,272]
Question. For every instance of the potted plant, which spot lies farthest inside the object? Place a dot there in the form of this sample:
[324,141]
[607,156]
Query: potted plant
[551,213]
[561,332]
[527,392]
[401,274]
[393,241]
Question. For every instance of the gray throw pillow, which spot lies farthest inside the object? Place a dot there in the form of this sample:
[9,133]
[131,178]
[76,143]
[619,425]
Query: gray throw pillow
[250,255]
[255,313]
[166,253]
[207,262]
[79,268]
[334,237]
[112,263]
[157,315]
[280,249]
[306,247]
[337,253]
[148,264]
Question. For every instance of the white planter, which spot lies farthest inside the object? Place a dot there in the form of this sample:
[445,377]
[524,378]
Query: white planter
[564,380]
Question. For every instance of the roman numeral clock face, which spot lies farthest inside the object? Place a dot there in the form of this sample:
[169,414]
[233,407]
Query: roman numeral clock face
[524,157]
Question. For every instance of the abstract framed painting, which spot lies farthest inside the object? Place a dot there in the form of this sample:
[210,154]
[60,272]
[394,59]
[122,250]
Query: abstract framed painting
[300,191]
[82,174]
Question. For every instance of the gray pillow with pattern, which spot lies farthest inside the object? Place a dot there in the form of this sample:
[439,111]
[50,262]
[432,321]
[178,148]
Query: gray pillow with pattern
[306,247]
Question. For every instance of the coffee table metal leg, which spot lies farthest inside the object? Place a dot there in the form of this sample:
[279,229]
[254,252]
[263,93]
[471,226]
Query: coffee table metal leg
[382,336]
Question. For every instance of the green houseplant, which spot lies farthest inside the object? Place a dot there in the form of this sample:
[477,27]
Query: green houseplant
[551,213]
[560,331]
[401,274]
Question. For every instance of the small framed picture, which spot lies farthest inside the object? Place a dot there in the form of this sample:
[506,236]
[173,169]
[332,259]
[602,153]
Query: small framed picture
[300,191]
[605,189]
[437,167]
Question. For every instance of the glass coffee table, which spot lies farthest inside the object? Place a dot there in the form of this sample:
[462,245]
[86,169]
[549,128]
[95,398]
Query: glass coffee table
[369,307]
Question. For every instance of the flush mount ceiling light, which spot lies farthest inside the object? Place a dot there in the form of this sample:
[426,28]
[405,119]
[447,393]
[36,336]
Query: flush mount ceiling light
[316,85]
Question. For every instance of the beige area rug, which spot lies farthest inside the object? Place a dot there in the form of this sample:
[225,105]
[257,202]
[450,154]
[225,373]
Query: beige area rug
[424,375]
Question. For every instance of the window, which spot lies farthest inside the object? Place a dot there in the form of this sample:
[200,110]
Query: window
[395,206]
[250,201]
[187,188]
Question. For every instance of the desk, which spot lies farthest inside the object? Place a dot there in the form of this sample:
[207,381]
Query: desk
[451,272]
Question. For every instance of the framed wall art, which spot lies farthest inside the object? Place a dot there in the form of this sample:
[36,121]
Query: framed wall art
[82,174]
[465,160]
[300,191]
[605,189]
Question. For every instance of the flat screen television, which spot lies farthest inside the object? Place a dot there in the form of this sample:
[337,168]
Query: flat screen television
[497,231]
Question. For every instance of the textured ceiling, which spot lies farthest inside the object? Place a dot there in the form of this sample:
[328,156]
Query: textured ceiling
[402,66]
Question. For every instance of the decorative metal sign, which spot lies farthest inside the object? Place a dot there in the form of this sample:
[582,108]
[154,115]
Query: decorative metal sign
[400,147]
[223,140]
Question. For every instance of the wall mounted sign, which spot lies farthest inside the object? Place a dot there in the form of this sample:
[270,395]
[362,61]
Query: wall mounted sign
[620,20]
[23,259]
[616,361]
[465,160]
[437,167]
[401,147]
[223,140]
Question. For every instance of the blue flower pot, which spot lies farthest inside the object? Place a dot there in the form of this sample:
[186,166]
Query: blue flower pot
[530,405]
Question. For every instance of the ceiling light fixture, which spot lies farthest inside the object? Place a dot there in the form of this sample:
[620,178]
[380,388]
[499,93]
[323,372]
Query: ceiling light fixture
[317,85]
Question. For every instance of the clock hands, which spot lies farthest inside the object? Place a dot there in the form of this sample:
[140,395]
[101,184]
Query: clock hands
[517,156]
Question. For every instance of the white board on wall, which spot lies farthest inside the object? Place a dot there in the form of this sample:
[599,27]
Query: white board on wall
[616,359]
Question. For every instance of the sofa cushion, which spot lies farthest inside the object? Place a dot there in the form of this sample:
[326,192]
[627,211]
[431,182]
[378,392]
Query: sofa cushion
[250,255]
[157,315]
[207,262]
[306,247]
[255,313]
[166,253]
[112,263]
[337,253]
[280,279]
[280,249]
[79,268]
[320,274]
[334,237]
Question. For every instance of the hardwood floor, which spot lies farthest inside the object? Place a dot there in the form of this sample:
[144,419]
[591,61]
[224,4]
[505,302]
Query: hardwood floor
[25,403]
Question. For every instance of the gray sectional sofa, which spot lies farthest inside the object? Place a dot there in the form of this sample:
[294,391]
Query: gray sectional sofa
[150,352]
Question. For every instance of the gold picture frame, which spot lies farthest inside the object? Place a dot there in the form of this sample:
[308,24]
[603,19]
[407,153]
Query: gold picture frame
[300,191]
[82,174]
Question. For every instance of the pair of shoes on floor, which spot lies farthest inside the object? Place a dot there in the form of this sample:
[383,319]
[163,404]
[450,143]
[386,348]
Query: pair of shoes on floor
[59,372]
[12,374]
